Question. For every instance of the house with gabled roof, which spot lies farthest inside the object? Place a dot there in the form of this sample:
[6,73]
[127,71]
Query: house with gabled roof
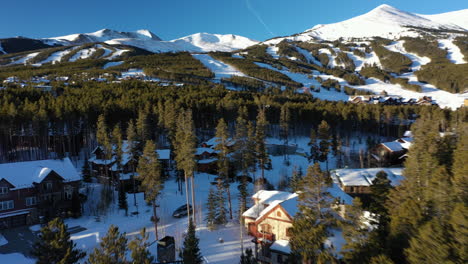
[271,218]
[359,181]
[33,190]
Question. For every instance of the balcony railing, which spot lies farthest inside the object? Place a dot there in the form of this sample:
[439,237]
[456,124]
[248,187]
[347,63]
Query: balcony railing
[264,236]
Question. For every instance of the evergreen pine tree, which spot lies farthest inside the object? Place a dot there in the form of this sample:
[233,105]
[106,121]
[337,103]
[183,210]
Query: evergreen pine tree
[241,142]
[284,124]
[149,173]
[324,144]
[380,188]
[314,149]
[184,146]
[54,245]
[123,199]
[103,139]
[410,205]
[296,179]
[431,245]
[221,214]
[139,249]
[190,253]
[381,259]
[460,166]
[112,248]
[86,172]
[212,208]
[356,234]
[133,154]
[458,232]
[250,155]
[142,129]
[222,147]
[261,152]
[311,223]
[243,195]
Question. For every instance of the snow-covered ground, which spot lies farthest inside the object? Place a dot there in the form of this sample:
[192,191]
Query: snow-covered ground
[454,53]
[324,94]
[117,53]
[212,250]
[83,54]
[26,58]
[132,73]
[112,64]
[3,241]
[57,56]
[220,69]
[16,258]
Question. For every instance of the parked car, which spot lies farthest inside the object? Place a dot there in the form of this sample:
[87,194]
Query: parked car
[182,211]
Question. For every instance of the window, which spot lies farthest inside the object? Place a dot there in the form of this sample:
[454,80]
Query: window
[3,190]
[266,228]
[6,205]
[68,192]
[48,186]
[289,231]
[31,201]
[278,213]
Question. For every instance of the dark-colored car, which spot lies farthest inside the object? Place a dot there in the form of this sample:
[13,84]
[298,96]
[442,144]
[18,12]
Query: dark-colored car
[182,211]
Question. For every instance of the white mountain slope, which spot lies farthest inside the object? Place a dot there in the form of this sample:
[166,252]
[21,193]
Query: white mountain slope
[101,36]
[200,42]
[457,18]
[385,21]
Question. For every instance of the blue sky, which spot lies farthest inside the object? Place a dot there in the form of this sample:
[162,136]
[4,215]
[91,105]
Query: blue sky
[256,19]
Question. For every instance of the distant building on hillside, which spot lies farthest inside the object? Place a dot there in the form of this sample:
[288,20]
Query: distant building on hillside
[358,181]
[37,189]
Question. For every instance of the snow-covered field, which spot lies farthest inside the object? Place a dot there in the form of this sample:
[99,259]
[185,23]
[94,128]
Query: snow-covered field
[220,69]
[16,258]
[454,53]
[112,64]
[212,250]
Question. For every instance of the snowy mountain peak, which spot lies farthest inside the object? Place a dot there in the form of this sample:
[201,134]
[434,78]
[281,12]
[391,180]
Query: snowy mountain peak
[383,21]
[102,36]
[146,33]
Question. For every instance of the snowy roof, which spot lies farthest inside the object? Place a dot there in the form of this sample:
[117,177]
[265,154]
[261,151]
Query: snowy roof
[408,133]
[200,151]
[268,197]
[393,145]
[336,192]
[406,142]
[288,201]
[364,177]
[290,206]
[24,174]
[267,200]
[214,142]
[281,246]
[163,154]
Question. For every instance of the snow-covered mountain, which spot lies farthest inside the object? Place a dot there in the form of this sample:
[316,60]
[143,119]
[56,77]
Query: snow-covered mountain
[388,22]
[101,36]
[200,42]
[457,18]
